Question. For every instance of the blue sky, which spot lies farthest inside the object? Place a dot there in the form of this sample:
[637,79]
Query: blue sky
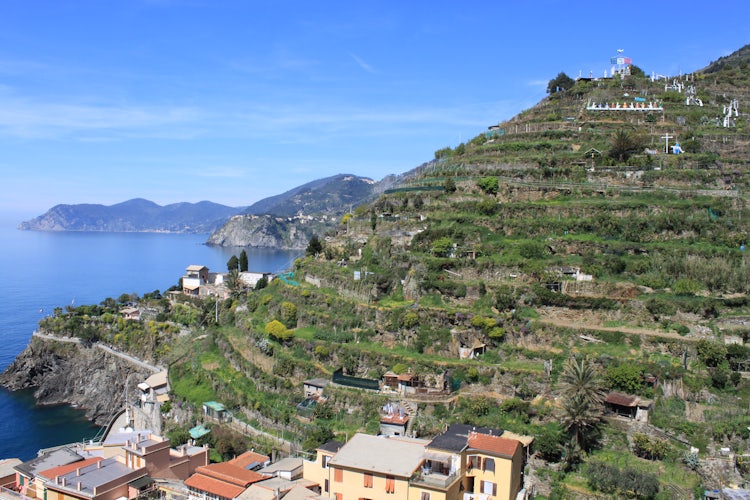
[234,101]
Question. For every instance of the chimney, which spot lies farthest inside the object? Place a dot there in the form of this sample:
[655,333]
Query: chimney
[99,464]
[78,486]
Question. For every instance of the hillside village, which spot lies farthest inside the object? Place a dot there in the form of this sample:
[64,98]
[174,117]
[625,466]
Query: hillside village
[556,308]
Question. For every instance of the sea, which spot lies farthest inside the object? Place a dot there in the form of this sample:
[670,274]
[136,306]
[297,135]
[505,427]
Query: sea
[43,270]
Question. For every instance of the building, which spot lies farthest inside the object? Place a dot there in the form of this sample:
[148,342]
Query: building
[372,467]
[318,471]
[494,467]
[287,468]
[131,313]
[161,461]
[629,406]
[215,410]
[221,481]
[155,388]
[462,463]
[107,479]
[8,473]
[194,278]
[314,387]
[394,421]
[27,472]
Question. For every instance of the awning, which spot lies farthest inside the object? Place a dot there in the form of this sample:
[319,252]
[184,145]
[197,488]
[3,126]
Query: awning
[437,456]
[141,483]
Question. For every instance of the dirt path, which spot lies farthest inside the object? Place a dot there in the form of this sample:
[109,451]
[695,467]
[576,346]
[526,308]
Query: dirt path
[646,332]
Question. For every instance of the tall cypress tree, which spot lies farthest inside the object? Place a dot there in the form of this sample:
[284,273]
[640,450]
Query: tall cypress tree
[243,261]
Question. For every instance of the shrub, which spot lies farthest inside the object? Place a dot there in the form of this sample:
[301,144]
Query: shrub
[711,352]
[686,286]
[648,447]
[489,185]
[278,331]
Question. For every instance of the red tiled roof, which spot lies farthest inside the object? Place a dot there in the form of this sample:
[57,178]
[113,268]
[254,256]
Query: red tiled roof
[248,458]
[619,399]
[230,473]
[395,418]
[213,486]
[493,444]
[64,469]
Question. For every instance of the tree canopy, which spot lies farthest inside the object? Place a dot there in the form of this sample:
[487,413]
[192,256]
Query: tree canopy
[560,83]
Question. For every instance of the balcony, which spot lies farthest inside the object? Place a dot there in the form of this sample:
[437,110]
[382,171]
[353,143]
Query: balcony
[434,479]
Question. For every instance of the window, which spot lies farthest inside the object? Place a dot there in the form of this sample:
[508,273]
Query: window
[489,464]
[489,488]
[338,475]
[339,496]
[326,486]
[475,462]
[390,484]
[368,480]
[425,496]
[326,459]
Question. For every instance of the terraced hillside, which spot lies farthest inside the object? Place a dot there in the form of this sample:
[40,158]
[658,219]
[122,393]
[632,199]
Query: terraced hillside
[557,255]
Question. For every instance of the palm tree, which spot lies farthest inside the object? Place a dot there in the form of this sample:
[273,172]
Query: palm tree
[582,401]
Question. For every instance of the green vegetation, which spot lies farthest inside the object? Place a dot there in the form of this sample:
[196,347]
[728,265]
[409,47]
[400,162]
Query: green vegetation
[531,270]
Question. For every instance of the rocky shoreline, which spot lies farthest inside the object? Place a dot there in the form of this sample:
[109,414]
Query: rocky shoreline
[65,372]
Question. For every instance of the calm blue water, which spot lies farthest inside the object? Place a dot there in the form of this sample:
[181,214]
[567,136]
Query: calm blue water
[41,271]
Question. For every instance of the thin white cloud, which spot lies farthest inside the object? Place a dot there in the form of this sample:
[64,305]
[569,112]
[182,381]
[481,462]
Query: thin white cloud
[31,119]
[362,64]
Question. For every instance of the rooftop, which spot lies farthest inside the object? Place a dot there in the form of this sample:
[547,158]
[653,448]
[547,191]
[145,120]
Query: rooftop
[493,444]
[250,460]
[317,382]
[455,438]
[48,460]
[84,481]
[65,469]
[331,446]
[283,465]
[395,455]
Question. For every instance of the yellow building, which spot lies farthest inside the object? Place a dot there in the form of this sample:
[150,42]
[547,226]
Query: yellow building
[463,463]
[494,467]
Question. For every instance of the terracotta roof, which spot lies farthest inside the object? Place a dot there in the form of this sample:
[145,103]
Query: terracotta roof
[214,486]
[230,473]
[394,419]
[249,458]
[620,399]
[493,444]
[64,469]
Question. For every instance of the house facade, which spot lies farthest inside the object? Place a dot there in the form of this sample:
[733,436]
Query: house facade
[463,463]
[494,467]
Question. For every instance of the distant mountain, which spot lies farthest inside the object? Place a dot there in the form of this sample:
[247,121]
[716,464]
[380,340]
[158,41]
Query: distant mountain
[136,215]
[332,195]
[289,220]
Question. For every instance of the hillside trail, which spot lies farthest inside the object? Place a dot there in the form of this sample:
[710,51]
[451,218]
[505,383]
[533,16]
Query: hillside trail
[647,332]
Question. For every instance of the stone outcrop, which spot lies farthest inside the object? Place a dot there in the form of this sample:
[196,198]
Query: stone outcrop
[71,373]
[265,231]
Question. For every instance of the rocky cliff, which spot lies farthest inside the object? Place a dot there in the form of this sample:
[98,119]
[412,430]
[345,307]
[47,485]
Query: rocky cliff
[70,373]
[266,231]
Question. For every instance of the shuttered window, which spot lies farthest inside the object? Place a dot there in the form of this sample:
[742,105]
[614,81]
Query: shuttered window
[390,484]
[338,475]
[368,480]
